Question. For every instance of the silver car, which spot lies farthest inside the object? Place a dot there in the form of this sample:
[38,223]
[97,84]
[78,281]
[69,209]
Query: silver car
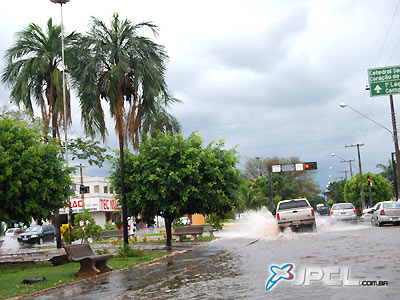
[386,212]
[344,212]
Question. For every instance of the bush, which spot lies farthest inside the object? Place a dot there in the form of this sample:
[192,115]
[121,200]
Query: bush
[102,251]
[65,233]
[110,226]
[126,251]
[87,227]
[215,221]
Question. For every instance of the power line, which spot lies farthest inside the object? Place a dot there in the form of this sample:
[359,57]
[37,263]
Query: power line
[387,33]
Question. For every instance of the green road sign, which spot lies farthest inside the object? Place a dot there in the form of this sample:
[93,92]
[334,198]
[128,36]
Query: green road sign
[384,81]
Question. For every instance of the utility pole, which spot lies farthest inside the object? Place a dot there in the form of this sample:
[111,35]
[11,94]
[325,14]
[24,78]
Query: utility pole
[361,176]
[271,196]
[351,169]
[345,174]
[396,143]
[395,186]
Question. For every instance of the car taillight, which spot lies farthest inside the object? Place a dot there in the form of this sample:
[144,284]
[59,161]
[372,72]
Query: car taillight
[312,212]
[354,210]
[382,212]
[278,217]
[331,212]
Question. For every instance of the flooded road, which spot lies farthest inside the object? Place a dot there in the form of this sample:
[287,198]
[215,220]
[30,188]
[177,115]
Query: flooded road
[237,266]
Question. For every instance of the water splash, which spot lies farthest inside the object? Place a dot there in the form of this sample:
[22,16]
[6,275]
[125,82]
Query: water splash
[10,244]
[262,224]
[252,224]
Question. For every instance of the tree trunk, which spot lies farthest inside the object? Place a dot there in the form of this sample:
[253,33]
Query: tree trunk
[168,226]
[124,212]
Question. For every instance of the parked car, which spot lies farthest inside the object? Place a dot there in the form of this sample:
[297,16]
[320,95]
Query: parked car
[14,232]
[185,221]
[344,212]
[386,212]
[38,235]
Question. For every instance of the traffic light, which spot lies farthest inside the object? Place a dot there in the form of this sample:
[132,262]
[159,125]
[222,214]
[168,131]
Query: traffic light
[369,180]
[83,189]
[312,165]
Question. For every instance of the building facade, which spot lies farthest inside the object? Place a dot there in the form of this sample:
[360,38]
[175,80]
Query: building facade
[99,199]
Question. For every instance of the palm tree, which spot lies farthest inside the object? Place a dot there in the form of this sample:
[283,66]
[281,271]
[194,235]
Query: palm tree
[34,76]
[157,119]
[126,70]
[387,171]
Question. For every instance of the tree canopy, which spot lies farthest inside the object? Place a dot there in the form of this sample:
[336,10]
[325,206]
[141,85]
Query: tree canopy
[172,176]
[381,189]
[33,180]
[33,72]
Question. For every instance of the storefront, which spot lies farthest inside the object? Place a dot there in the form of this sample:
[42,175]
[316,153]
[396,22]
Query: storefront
[99,201]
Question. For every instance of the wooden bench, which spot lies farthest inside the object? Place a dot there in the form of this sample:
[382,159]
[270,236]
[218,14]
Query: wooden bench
[91,264]
[206,228]
[107,234]
[194,231]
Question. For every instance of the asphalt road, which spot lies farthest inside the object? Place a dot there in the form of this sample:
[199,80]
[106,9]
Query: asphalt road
[339,261]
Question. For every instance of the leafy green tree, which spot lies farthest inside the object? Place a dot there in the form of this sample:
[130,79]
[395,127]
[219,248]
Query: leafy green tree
[172,176]
[126,70]
[33,179]
[381,189]
[336,191]
[316,199]
[33,72]
[251,195]
[89,150]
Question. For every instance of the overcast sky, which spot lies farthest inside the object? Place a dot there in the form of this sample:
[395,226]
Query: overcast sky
[267,76]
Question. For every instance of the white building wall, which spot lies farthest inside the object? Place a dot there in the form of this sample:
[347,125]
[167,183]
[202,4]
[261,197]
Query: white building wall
[99,217]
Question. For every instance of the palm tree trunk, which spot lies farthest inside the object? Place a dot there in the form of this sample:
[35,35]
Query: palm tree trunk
[124,213]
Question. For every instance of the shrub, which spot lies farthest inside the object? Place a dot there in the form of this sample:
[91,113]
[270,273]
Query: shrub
[87,227]
[65,233]
[126,251]
[102,251]
[110,226]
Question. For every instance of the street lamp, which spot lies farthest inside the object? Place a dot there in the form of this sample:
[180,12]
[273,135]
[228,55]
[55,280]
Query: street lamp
[57,217]
[395,140]
[343,105]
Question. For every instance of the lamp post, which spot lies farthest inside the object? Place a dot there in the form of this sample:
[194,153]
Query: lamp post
[57,217]
[394,137]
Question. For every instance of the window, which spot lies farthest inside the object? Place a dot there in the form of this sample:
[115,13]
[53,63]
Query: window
[105,189]
[97,189]
[293,204]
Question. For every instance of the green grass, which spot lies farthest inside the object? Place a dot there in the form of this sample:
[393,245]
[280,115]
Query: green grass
[11,275]
[201,239]
[153,234]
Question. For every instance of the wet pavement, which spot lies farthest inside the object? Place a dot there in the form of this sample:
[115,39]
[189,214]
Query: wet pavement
[237,266]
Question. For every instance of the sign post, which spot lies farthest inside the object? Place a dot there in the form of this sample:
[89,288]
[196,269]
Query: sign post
[386,81]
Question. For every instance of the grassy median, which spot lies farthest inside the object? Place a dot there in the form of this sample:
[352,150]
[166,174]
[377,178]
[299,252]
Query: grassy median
[11,275]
